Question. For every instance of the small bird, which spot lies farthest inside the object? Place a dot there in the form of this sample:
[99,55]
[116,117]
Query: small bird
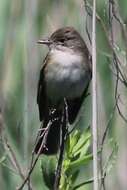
[65,74]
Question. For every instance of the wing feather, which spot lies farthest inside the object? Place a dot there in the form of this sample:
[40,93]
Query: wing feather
[41,93]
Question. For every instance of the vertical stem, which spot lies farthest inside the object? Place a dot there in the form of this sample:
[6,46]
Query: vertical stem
[94,99]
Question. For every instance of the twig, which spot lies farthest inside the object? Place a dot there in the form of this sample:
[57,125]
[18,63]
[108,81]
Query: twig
[13,158]
[108,160]
[37,157]
[87,31]
[12,170]
[102,145]
[109,40]
[120,76]
[120,21]
[85,183]
[119,73]
[108,124]
[120,79]
[121,114]
[33,154]
[64,131]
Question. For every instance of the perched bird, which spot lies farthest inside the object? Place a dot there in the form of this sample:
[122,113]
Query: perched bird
[65,74]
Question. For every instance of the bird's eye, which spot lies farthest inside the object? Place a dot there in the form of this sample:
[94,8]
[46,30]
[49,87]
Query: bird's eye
[62,40]
[71,37]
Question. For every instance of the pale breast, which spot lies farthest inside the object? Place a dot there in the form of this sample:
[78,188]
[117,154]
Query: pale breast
[66,76]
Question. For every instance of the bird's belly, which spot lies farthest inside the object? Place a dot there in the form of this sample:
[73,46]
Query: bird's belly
[65,81]
[66,75]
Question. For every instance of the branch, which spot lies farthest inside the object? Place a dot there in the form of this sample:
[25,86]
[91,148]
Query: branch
[13,157]
[102,145]
[64,126]
[37,157]
[85,183]
[89,9]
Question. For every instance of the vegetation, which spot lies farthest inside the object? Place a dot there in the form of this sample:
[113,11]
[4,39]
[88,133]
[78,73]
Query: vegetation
[22,23]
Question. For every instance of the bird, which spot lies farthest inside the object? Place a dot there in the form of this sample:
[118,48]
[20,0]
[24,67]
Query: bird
[64,75]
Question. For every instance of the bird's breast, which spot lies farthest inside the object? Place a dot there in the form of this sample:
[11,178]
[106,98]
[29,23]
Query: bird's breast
[66,75]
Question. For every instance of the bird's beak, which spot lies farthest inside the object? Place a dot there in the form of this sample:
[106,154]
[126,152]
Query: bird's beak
[44,41]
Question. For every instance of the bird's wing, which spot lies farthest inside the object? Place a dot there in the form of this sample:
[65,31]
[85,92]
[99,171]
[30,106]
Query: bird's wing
[41,93]
[75,105]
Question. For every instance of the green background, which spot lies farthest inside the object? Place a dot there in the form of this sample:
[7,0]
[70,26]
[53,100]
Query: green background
[22,23]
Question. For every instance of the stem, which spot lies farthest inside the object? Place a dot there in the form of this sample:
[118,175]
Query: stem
[37,157]
[64,126]
[94,99]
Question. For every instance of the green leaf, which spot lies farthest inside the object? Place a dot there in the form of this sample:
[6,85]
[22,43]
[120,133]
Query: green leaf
[80,162]
[2,159]
[85,148]
[81,143]
[74,139]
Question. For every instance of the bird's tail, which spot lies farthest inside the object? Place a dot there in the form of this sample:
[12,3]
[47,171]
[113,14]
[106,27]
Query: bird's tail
[52,140]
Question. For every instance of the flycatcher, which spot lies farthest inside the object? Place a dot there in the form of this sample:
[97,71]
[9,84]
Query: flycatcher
[65,74]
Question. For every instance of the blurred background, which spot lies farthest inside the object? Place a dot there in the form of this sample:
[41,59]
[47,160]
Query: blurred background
[22,23]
